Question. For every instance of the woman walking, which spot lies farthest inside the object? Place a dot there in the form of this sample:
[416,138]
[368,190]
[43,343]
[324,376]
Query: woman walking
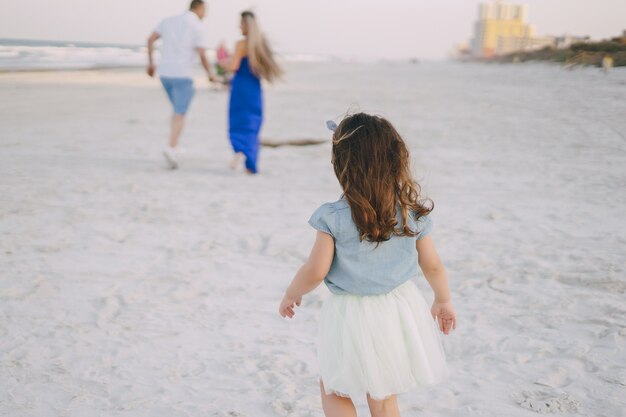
[252,62]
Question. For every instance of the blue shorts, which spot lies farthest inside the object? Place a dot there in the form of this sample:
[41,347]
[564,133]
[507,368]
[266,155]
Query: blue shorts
[180,91]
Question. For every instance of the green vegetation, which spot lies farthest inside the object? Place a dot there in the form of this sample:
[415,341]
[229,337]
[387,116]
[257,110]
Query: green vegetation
[604,46]
[589,53]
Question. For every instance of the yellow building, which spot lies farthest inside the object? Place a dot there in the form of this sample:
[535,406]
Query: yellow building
[501,29]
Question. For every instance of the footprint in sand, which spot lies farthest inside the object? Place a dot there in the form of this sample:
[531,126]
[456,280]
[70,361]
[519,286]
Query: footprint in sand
[555,379]
[547,401]
[282,408]
[615,377]
[228,414]
[108,309]
[255,243]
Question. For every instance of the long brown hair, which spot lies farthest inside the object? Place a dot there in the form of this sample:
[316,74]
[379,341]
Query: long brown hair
[371,162]
[260,54]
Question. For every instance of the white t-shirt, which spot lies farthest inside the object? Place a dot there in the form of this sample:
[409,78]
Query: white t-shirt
[182,35]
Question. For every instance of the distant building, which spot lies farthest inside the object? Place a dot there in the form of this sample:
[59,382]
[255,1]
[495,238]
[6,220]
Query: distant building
[565,41]
[502,29]
[460,51]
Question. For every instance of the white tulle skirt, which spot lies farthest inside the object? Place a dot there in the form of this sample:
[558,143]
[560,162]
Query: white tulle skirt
[379,345]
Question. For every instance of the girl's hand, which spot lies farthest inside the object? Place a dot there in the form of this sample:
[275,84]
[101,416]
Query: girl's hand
[445,316]
[288,304]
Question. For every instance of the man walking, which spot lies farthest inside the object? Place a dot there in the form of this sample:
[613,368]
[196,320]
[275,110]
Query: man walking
[183,41]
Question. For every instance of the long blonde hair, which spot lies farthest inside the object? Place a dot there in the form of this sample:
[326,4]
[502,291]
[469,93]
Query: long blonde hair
[260,54]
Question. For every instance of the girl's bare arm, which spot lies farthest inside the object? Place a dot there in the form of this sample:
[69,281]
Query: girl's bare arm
[437,278]
[433,269]
[310,275]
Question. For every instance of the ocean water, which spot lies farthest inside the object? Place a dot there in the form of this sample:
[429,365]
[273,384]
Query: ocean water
[23,55]
[35,55]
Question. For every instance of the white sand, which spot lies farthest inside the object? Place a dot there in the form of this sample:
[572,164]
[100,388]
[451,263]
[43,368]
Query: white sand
[129,290]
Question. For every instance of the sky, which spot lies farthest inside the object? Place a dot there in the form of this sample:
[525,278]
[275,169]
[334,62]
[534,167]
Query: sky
[387,29]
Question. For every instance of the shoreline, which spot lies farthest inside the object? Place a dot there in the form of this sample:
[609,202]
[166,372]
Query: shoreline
[68,69]
[140,68]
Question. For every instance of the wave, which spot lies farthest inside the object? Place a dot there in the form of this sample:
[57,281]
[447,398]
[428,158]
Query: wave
[17,55]
[34,55]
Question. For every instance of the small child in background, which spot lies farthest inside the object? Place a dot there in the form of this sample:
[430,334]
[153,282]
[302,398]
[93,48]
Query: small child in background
[223,59]
[378,337]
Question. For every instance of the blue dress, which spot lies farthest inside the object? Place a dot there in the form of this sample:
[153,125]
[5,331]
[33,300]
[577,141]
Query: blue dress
[245,114]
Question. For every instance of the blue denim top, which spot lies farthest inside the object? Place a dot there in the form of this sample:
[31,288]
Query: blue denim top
[362,267]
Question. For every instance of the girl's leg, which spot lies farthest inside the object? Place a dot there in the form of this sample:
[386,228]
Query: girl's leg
[384,408]
[336,406]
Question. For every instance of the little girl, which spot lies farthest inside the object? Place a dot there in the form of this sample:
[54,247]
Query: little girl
[377,336]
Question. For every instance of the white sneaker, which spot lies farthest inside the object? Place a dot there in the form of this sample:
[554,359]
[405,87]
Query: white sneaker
[237,160]
[170,157]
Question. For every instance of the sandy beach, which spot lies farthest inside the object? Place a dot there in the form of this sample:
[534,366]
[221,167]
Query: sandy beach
[130,290]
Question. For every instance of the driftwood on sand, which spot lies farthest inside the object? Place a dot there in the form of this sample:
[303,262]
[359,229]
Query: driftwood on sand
[275,143]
